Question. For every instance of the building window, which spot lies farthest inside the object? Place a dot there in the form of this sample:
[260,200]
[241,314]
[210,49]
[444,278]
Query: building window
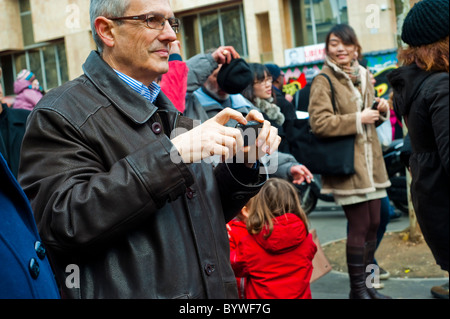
[27,23]
[211,29]
[46,60]
[48,63]
[312,19]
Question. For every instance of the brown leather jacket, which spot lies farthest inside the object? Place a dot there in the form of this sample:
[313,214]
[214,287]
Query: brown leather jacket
[108,199]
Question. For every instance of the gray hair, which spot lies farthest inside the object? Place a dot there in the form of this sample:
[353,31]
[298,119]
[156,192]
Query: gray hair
[106,8]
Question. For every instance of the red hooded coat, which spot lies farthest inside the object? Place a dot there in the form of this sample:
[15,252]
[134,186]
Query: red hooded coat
[237,230]
[280,266]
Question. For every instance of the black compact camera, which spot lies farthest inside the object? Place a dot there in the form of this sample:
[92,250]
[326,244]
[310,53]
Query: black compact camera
[375,105]
[250,136]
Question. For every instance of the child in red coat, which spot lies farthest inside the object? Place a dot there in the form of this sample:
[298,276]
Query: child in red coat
[276,257]
[237,229]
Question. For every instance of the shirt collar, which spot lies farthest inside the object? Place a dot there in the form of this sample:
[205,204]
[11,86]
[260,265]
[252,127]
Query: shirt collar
[150,93]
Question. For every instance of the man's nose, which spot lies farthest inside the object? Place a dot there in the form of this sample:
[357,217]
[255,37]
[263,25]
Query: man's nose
[168,32]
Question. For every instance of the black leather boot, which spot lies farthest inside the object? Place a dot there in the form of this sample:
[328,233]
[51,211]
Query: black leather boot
[357,273]
[369,256]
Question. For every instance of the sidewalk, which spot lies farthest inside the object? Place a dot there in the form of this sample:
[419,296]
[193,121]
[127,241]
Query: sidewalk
[330,222]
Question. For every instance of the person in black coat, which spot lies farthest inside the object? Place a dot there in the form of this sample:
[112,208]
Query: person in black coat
[301,97]
[421,96]
[287,108]
[12,129]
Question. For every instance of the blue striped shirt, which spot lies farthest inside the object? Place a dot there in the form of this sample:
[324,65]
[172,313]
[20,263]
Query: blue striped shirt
[150,93]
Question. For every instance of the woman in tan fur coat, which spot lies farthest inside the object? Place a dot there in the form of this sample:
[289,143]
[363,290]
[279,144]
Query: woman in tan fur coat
[359,194]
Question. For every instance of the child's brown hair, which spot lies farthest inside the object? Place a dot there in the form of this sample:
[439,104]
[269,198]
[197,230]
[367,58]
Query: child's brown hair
[276,198]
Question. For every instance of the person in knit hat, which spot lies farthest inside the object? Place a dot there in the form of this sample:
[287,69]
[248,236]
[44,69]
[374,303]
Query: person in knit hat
[426,23]
[27,89]
[421,96]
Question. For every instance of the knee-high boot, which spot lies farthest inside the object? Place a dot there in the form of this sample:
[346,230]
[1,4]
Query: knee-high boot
[357,272]
[369,255]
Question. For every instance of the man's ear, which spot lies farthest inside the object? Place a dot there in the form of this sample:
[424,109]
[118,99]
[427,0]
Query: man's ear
[105,30]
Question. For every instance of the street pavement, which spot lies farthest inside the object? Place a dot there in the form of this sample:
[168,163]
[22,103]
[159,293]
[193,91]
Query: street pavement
[331,225]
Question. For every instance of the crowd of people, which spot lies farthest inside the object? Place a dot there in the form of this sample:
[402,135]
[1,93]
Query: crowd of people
[137,174]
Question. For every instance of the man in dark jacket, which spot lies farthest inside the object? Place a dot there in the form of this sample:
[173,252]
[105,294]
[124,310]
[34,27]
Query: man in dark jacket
[123,200]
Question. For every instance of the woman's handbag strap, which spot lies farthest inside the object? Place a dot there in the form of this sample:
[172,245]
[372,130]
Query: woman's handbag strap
[332,91]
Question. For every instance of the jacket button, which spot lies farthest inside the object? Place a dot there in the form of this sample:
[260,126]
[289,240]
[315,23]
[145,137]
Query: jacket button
[156,128]
[40,249]
[33,267]
[209,269]
[190,193]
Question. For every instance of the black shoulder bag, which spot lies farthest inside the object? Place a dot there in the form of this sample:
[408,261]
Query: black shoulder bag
[325,156]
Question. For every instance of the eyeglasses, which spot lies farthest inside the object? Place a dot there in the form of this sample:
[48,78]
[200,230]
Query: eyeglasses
[265,82]
[154,21]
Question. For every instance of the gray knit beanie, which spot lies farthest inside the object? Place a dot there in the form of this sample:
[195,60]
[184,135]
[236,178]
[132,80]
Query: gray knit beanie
[427,22]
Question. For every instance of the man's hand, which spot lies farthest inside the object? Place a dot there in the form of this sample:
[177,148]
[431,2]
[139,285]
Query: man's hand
[267,141]
[214,138]
[211,138]
[300,174]
[224,55]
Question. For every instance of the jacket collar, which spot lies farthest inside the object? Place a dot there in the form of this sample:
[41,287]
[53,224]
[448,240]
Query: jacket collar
[131,104]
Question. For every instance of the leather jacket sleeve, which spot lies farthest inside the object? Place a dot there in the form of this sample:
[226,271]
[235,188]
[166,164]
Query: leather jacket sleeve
[68,175]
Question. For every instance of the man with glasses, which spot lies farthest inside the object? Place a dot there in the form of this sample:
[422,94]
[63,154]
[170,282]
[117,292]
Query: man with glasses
[122,197]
